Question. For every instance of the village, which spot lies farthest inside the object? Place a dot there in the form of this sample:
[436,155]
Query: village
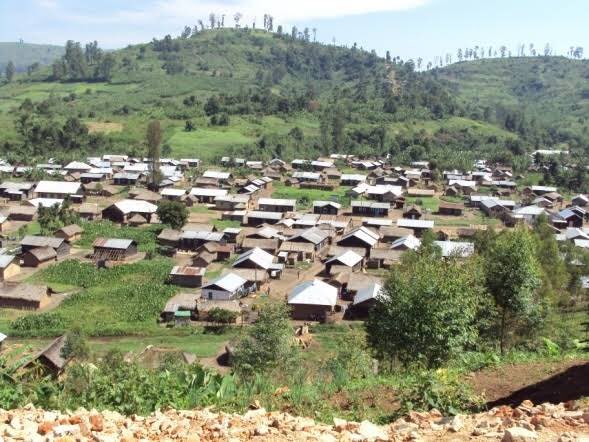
[318,235]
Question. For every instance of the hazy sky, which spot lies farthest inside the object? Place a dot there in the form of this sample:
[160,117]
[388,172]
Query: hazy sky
[408,28]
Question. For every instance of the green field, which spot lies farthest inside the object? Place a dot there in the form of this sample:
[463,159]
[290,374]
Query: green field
[305,197]
[430,203]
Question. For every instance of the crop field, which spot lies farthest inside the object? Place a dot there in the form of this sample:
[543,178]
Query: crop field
[430,203]
[144,236]
[305,197]
[123,300]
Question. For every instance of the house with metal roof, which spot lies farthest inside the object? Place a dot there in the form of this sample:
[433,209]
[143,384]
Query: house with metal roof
[370,208]
[326,207]
[187,276]
[408,242]
[361,237]
[312,300]
[226,287]
[417,225]
[9,267]
[255,258]
[59,245]
[349,261]
[318,237]
[57,189]
[207,195]
[277,205]
[122,211]
[113,249]
[455,248]
[365,299]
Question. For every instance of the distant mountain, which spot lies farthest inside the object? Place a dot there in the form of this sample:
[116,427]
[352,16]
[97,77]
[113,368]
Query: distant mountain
[550,91]
[25,54]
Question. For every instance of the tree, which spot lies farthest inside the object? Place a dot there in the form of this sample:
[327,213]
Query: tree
[10,71]
[268,344]
[512,276]
[237,18]
[186,32]
[189,126]
[172,213]
[154,138]
[75,345]
[426,311]
[212,20]
[106,66]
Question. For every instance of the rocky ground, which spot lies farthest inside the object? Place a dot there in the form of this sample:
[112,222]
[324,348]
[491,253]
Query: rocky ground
[547,422]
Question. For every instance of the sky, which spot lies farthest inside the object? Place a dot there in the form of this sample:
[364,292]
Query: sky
[406,28]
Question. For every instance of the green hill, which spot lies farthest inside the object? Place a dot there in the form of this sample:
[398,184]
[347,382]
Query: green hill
[24,55]
[258,95]
[552,92]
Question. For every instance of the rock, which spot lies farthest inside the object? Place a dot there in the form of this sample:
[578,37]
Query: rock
[518,434]
[45,427]
[63,430]
[456,423]
[262,430]
[371,432]
[585,417]
[340,424]
[96,422]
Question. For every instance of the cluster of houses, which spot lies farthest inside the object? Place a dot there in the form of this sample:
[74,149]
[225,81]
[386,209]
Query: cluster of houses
[339,250]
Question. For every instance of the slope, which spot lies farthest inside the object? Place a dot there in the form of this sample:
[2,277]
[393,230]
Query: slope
[24,55]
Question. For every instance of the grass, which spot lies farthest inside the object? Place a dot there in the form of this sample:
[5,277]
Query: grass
[144,236]
[305,197]
[222,224]
[430,203]
[205,143]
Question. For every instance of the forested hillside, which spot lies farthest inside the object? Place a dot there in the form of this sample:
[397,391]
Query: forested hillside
[27,55]
[261,94]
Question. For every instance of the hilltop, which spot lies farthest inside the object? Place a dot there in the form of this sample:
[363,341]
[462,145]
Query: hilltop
[259,94]
[24,55]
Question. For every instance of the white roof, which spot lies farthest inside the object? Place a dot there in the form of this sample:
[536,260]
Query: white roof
[314,292]
[216,175]
[276,202]
[203,191]
[382,189]
[45,202]
[349,258]
[258,256]
[353,177]
[63,187]
[229,282]
[583,243]
[530,211]
[307,175]
[77,165]
[172,191]
[415,223]
[409,241]
[372,291]
[462,183]
[364,234]
[455,248]
[132,206]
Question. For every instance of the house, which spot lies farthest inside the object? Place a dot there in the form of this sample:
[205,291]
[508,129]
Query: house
[412,212]
[194,239]
[370,208]
[307,177]
[226,287]
[391,233]
[571,217]
[57,189]
[383,258]
[50,358]
[16,191]
[232,202]
[39,257]
[222,177]
[409,242]
[169,238]
[450,209]
[182,302]
[417,225]
[538,190]
[312,300]
[89,212]
[114,249]
[256,217]
[70,233]
[361,237]
[77,166]
[255,259]
[9,267]
[173,194]
[60,245]
[122,211]
[126,178]
[580,200]
[353,180]
[277,205]
[349,261]
[326,207]
[529,213]
[207,195]
[24,297]
[365,299]
[269,245]
[290,253]
[22,213]
[187,276]
[318,237]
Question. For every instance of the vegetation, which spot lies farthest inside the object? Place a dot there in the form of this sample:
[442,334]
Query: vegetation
[145,237]
[172,213]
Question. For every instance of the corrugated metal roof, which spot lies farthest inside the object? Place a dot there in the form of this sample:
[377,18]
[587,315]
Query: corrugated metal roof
[188,271]
[229,282]
[314,292]
[113,243]
[59,187]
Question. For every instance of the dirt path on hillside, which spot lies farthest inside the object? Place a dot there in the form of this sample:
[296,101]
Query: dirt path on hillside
[537,381]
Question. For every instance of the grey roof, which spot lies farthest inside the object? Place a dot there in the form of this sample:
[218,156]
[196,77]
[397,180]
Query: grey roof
[415,223]
[41,241]
[113,243]
[258,256]
[314,292]
[313,235]
[6,260]
[229,282]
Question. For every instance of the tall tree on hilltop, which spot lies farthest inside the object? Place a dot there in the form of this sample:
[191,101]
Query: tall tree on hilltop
[212,20]
[237,18]
[154,139]
[10,71]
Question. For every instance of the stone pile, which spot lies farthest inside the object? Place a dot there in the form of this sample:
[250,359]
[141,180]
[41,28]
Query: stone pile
[526,423]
